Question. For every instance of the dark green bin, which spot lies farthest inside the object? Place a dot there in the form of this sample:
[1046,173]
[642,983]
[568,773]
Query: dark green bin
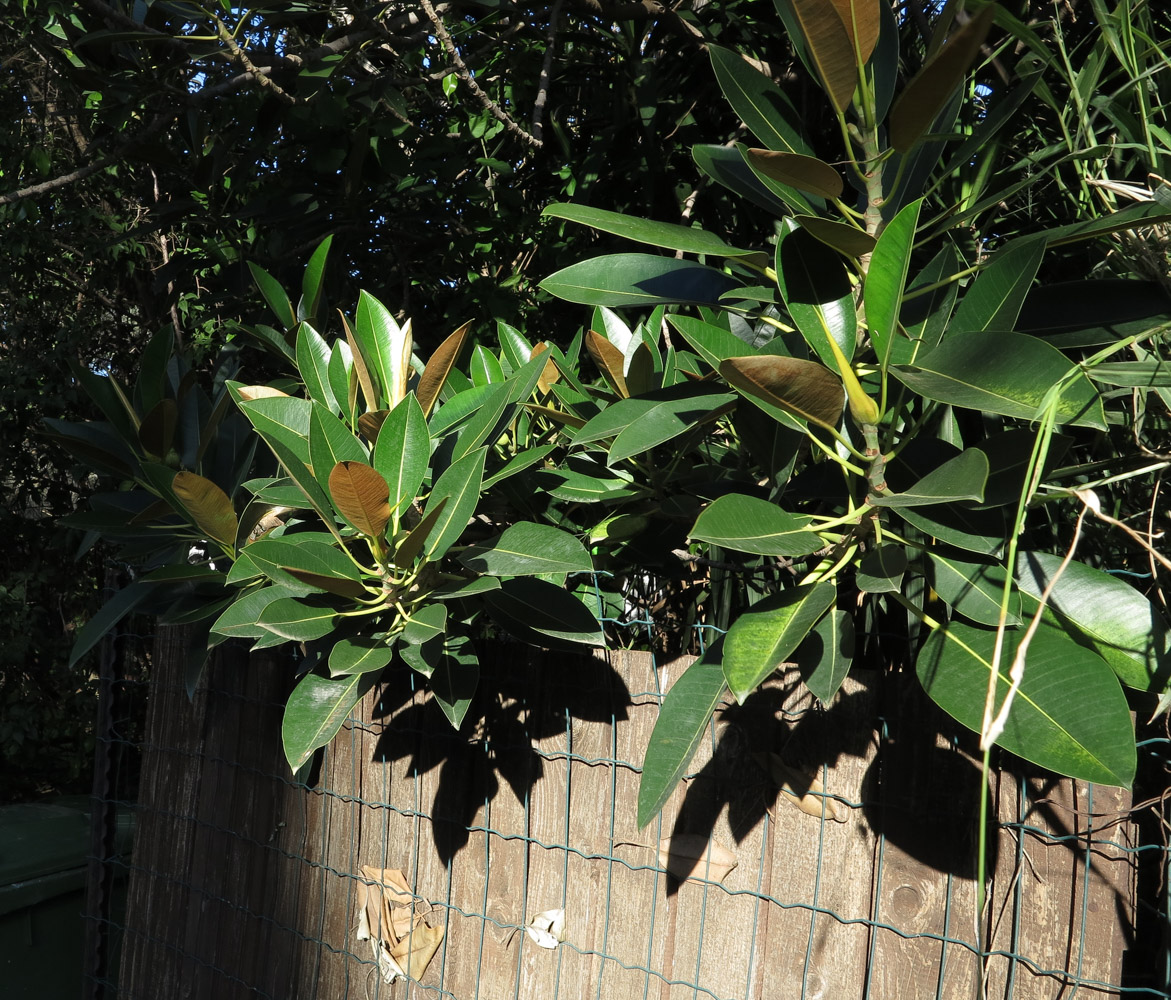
[44,852]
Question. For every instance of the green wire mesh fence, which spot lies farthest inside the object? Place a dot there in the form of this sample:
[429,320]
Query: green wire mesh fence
[507,859]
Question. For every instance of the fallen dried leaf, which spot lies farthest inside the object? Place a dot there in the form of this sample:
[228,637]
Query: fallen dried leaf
[805,791]
[547,929]
[386,918]
[691,857]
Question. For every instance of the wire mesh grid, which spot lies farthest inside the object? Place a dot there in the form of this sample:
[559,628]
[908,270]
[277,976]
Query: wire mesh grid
[246,881]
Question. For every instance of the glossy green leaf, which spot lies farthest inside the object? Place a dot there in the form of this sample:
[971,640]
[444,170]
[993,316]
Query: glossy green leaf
[316,710]
[528,549]
[459,491]
[926,315]
[341,366]
[973,589]
[886,278]
[880,570]
[683,719]
[959,478]
[108,615]
[1105,614]
[825,655]
[1135,374]
[712,343]
[283,419]
[668,235]
[293,619]
[994,300]
[728,167]
[749,524]
[1069,715]
[817,292]
[1007,373]
[542,614]
[403,451]
[850,240]
[667,418]
[804,389]
[240,619]
[274,295]
[330,442]
[519,463]
[765,635]
[931,88]
[634,280]
[299,561]
[313,281]
[313,363]
[385,344]
[763,106]
[358,655]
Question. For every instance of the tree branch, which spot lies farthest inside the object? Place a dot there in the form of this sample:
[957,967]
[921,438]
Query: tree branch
[241,57]
[546,73]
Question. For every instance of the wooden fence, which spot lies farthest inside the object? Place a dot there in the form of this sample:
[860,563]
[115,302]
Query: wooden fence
[247,884]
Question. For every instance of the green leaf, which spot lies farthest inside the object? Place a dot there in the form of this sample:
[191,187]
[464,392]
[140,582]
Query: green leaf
[274,295]
[1106,615]
[817,292]
[973,589]
[150,388]
[108,615]
[1136,374]
[316,710]
[281,419]
[658,234]
[749,524]
[312,562]
[330,442]
[683,719]
[825,655]
[880,571]
[887,276]
[240,620]
[313,363]
[804,389]
[931,88]
[528,549]
[1069,715]
[542,614]
[385,344]
[358,655]
[850,240]
[403,451]
[926,316]
[1007,373]
[728,167]
[455,678]
[312,282]
[425,625]
[959,478]
[638,279]
[341,366]
[713,343]
[765,635]
[761,104]
[459,491]
[293,619]
[995,298]
[664,415]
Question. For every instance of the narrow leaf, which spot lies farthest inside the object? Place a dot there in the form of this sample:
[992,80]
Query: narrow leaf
[887,276]
[458,489]
[402,452]
[668,235]
[439,366]
[638,279]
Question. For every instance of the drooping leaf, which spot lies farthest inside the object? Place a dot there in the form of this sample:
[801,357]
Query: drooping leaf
[767,634]
[668,235]
[1069,715]
[1007,373]
[931,88]
[803,388]
[824,656]
[316,710]
[806,173]
[528,549]
[361,496]
[439,367]
[973,589]
[1105,614]
[208,505]
[542,614]
[728,167]
[851,241]
[748,524]
[358,655]
[637,279]
[241,618]
[712,343]
[283,419]
[683,719]
[107,616]
[156,433]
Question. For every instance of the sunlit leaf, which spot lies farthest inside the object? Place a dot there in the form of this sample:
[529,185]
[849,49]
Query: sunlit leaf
[439,367]
[803,388]
[748,524]
[208,506]
[361,496]
[807,173]
[316,710]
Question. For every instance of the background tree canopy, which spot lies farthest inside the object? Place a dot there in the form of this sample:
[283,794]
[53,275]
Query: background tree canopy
[157,148]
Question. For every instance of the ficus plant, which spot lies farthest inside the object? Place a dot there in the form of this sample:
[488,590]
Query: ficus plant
[943,423]
[356,536]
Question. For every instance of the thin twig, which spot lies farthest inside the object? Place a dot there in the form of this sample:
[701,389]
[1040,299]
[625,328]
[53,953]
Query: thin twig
[465,74]
[241,57]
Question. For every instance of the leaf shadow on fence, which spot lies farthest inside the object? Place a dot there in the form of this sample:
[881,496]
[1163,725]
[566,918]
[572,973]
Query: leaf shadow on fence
[523,697]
